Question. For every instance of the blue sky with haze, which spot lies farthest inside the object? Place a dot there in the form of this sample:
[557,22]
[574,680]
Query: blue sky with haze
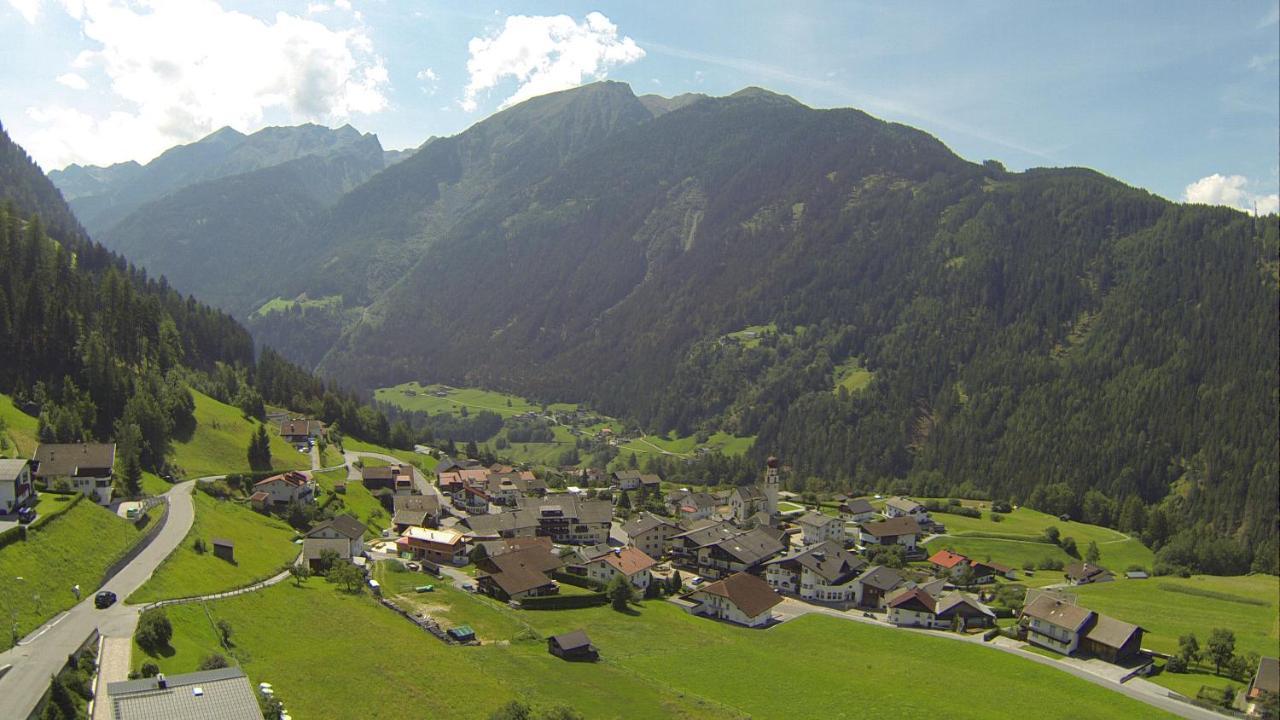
[1181,98]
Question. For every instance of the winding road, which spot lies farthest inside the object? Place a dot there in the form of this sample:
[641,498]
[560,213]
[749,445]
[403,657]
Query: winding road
[42,653]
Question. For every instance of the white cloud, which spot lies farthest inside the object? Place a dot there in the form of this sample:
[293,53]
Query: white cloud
[545,54]
[178,71]
[429,79]
[28,9]
[342,4]
[73,81]
[1232,191]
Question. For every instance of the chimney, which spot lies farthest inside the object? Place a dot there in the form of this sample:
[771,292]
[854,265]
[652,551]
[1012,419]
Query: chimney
[161,682]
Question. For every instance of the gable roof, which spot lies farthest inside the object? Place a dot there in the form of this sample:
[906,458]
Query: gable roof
[1078,571]
[572,640]
[224,694]
[534,557]
[748,492]
[950,603]
[995,567]
[751,546]
[829,561]
[1111,632]
[518,580]
[893,527]
[906,505]
[74,459]
[1058,612]
[1267,678]
[749,593]
[913,599]
[947,559]
[629,561]
[646,522]
[497,523]
[345,525]
[293,478]
[881,578]
[857,506]
[816,519]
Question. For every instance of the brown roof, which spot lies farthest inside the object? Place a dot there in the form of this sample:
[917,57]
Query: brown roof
[260,496]
[293,477]
[752,546]
[749,593]
[857,506]
[534,557]
[572,640]
[893,527]
[914,597]
[1111,632]
[949,603]
[947,559]
[518,580]
[1078,571]
[74,460]
[629,561]
[1058,612]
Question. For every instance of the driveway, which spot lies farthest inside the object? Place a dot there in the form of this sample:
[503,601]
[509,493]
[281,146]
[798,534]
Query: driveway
[420,481]
[43,653]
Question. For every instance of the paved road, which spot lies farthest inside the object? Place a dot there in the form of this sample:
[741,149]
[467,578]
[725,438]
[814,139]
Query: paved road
[420,481]
[1138,689]
[41,654]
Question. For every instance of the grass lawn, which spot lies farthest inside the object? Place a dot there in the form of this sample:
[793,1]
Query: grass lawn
[20,430]
[1248,605]
[220,443]
[425,463]
[75,548]
[851,376]
[357,500]
[412,396]
[279,304]
[152,484]
[657,662]
[263,545]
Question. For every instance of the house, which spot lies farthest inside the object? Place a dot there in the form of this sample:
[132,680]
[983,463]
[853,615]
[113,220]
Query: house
[16,488]
[684,546]
[443,546]
[875,583]
[286,488]
[628,562]
[505,486]
[964,610]
[740,552]
[948,563]
[912,607]
[816,528]
[518,574]
[858,510]
[740,598]
[454,479]
[625,479]
[1064,627]
[572,646]
[415,510]
[688,505]
[826,572]
[650,533]
[472,499]
[896,507]
[222,693]
[1266,682]
[86,467]
[511,524]
[902,530]
[568,519]
[343,535]
[1083,573]
[397,478]
[300,430]
[985,571]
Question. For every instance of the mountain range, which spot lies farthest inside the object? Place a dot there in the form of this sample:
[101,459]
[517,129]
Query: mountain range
[1051,336]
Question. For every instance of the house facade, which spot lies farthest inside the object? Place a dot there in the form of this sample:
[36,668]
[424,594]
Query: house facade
[901,530]
[816,528]
[16,488]
[651,534]
[568,519]
[912,608]
[441,546]
[344,535]
[1064,627]
[741,598]
[86,467]
[896,507]
[824,573]
[286,488]
[628,562]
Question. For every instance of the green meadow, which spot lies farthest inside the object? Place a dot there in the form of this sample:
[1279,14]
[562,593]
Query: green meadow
[656,662]
[220,443]
[20,430]
[354,500]
[263,546]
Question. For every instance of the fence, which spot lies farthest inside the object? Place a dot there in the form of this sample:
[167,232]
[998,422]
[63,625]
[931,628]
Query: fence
[141,544]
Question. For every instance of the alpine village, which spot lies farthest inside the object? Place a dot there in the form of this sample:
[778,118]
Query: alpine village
[621,405]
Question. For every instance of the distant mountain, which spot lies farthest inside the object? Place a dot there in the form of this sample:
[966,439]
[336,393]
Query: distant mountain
[102,197]
[659,105]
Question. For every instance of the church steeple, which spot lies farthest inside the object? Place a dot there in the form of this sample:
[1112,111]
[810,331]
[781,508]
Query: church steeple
[772,484]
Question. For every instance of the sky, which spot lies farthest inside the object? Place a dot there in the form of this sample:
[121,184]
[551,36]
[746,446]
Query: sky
[1180,98]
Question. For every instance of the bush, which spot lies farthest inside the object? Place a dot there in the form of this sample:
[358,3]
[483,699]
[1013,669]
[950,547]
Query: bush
[1176,664]
[1049,564]
[578,581]
[213,662]
[150,669]
[1002,506]
[199,546]
[154,630]
[565,602]
[995,517]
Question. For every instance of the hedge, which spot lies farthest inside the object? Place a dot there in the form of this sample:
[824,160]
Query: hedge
[564,602]
[578,580]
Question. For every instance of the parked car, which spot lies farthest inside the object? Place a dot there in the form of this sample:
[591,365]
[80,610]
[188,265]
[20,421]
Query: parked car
[104,599]
[26,515]
[415,567]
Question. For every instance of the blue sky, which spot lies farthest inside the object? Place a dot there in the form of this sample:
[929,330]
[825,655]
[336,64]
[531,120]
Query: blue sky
[1180,98]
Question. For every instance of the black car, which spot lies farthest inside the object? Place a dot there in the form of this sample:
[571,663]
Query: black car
[104,599]
[26,515]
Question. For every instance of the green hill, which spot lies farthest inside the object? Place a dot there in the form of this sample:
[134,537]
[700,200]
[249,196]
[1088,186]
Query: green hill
[219,444]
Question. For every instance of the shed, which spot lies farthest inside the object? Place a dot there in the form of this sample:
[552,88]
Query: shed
[224,549]
[572,646]
[462,633]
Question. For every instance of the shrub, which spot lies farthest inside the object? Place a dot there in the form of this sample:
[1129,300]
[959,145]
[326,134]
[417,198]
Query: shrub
[199,546]
[1049,564]
[154,630]
[1002,506]
[150,669]
[213,662]
[996,517]
[1176,665]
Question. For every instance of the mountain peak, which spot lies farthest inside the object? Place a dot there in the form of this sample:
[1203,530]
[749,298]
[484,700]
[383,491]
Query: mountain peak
[753,92]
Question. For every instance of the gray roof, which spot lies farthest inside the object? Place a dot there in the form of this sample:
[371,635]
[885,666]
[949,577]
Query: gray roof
[816,519]
[904,504]
[708,534]
[57,460]
[881,578]
[951,602]
[572,640]
[571,506]
[646,522]
[749,492]
[751,546]
[893,527]
[1267,678]
[1111,632]
[1058,612]
[857,506]
[223,694]
[345,525]
[502,522]
[9,469]
[828,560]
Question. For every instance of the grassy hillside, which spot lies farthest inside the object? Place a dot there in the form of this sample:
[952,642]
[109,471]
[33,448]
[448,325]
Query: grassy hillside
[657,662]
[20,429]
[74,548]
[356,500]
[422,398]
[220,443]
[263,545]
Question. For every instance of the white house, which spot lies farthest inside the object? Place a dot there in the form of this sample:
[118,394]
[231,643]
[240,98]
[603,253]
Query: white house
[857,510]
[85,466]
[1055,624]
[279,490]
[651,534]
[816,528]
[741,598]
[905,507]
[826,573]
[628,562]
[16,490]
[912,607]
[343,535]
[902,530]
